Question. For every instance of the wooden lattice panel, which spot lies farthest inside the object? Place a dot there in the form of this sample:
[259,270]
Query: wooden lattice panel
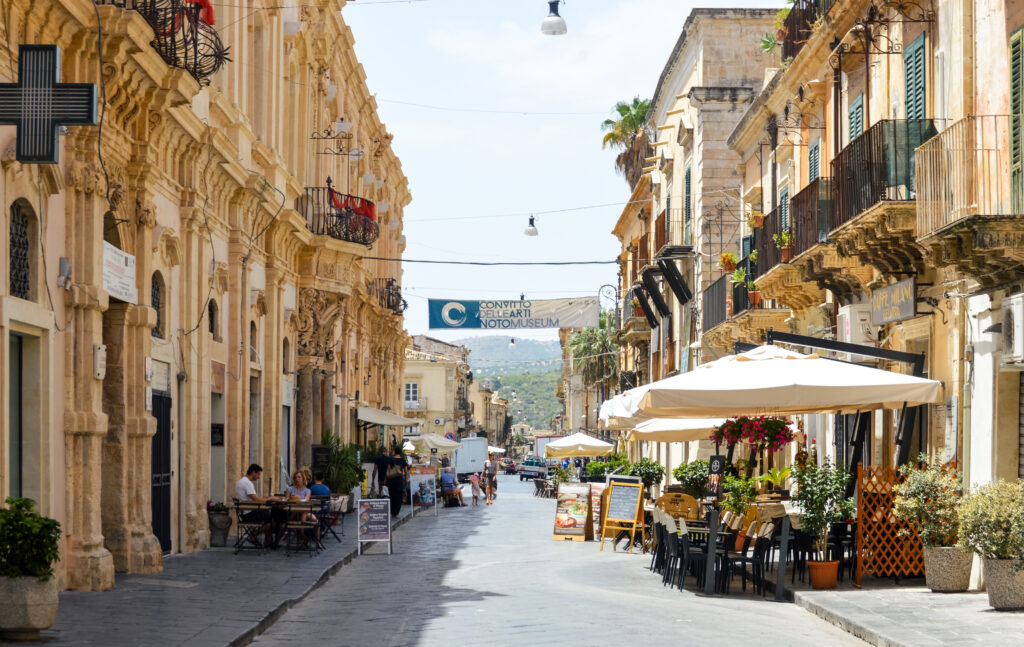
[881,550]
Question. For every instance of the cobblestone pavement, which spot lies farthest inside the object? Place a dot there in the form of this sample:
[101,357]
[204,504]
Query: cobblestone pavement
[916,617]
[493,574]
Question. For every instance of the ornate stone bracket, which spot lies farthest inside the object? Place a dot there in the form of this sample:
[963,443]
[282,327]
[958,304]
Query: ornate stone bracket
[169,246]
[884,238]
[784,284]
[844,277]
[989,249]
[314,322]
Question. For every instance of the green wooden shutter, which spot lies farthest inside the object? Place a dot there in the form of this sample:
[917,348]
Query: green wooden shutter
[856,117]
[687,202]
[1016,107]
[814,161]
[914,71]
[746,245]
[784,209]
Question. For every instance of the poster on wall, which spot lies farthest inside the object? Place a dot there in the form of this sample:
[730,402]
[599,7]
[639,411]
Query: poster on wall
[423,487]
[374,522]
[572,511]
[119,274]
[716,472]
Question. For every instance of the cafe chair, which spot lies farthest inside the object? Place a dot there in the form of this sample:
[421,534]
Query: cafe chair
[327,516]
[250,533]
[300,532]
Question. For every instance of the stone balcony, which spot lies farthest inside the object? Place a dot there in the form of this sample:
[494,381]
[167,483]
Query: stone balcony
[971,198]
[729,316]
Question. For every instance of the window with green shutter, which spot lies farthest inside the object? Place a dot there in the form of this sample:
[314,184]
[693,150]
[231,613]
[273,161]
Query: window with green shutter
[1016,107]
[856,117]
[914,71]
[687,202]
[784,209]
[814,161]
[746,244]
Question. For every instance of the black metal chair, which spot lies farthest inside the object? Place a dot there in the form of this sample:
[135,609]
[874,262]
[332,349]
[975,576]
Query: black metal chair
[300,532]
[659,552]
[691,555]
[252,525]
[328,518]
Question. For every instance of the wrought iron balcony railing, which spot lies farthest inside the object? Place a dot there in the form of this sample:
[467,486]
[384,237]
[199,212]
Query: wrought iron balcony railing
[972,168]
[877,166]
[810,215]
[183,34]
[714,310]
[340,216]
[388,293]
[740,300]
[768,255]
[799,24]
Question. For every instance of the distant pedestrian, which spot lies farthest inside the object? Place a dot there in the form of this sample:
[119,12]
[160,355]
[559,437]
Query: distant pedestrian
[396,478]
[490,478]
[474,479]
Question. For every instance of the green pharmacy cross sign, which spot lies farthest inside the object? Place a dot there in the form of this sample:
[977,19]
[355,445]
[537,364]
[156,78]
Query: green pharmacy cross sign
[39,104]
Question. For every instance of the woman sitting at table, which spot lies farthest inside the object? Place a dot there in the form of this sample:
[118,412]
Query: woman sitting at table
[298,491]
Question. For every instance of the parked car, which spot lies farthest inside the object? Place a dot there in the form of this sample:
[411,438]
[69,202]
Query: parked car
[508,465]
[532,467]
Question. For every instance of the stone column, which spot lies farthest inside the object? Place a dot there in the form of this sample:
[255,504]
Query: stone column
[304,413]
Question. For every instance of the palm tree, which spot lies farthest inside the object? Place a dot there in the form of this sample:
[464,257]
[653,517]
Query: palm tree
[594,354]
[631,133]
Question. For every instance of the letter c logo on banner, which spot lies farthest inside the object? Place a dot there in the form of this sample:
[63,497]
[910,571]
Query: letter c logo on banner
[453,314]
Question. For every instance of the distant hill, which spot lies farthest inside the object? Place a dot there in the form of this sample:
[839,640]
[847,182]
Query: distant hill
[534,402]
[493,355]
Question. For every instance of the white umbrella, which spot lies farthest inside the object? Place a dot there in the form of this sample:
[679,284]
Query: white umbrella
[620,411]
[425,442]
[770,379]
[578,445]
[675,430]
[495,450]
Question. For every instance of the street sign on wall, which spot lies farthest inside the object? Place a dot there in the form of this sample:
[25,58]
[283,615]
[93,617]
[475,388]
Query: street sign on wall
[513,315]
[895,302]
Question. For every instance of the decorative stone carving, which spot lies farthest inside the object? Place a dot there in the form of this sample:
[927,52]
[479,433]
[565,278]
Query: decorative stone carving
[146,213]
[314,322]
[169,246]
[220,277]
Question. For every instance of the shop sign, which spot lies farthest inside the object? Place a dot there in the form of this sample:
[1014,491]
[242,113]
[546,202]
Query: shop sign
[119,274]
[217,377]
[572,511]
[894,302]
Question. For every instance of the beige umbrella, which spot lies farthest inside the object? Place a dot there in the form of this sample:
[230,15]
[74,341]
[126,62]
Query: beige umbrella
[620,412]
[770,379]
[675,430]
[578,445]
[425,442]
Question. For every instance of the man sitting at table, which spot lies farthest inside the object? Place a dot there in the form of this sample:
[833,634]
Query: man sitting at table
[245,491]
[449,487]
[318,488]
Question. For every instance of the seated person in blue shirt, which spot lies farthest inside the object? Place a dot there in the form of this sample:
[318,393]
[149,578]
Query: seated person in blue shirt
[449,485]
[318,488]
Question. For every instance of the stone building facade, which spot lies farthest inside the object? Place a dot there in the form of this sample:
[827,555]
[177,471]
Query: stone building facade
[252,321]
[437,384]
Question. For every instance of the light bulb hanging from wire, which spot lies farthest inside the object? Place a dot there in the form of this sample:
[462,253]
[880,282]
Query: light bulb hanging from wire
[531,228]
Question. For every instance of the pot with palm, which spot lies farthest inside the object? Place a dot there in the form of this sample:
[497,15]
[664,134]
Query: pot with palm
[784,241]
[821,495]
[775,478]
[927,499]
[28,589]
[992,525]
[753,295]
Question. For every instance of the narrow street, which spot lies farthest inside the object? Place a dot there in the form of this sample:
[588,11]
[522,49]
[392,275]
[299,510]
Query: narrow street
[493,574]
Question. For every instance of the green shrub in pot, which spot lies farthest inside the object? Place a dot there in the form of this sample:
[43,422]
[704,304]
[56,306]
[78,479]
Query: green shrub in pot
[29,547]
[693,477]
[738,493]
[650,472]
[821,494]
[992,525]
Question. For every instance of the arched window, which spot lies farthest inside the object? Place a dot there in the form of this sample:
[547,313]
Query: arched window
[213,313]
[157,299]
[22,250]
[252,341]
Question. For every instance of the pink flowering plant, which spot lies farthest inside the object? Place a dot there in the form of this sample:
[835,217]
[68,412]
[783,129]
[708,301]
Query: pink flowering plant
[761,432]
[730,432]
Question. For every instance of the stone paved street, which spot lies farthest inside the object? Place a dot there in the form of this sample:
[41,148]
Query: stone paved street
[491,575]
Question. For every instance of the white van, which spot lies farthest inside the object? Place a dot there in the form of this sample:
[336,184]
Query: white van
[470,458]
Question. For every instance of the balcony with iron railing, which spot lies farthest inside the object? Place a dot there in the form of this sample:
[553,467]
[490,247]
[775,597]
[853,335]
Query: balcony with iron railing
[714,309]
[388,294]
[970,197]
[184,34]
[873,216]
[768,255]
[810,215]
[799,24]
[730,314]
[343,217]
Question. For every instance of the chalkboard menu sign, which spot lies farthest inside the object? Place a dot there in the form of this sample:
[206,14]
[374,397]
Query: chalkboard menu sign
[374,521]
[321,456]
[623,501]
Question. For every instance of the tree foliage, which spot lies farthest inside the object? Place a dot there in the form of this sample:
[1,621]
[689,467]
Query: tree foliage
[928,498]
[992,521]
[821,493]
[693,476]
[28,541]
[630,133]
[594,354]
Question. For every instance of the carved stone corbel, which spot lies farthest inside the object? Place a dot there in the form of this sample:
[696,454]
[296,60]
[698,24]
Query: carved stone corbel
[169,247]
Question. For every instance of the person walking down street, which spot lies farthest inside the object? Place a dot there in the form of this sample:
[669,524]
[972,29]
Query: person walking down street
[395,480]
[490,478]
[474,478]
[380,473]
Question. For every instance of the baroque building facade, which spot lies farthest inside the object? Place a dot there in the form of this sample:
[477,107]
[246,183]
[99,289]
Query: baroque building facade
[205,280]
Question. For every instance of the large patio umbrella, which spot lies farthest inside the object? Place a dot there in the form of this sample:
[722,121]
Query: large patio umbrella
[425,442]
[619,412]
[578,445]
[675,430]
[770,379]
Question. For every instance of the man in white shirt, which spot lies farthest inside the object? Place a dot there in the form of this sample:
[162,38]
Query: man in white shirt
[245,491]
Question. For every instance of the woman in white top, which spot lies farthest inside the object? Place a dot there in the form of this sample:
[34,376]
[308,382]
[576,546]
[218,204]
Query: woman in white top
[490,477]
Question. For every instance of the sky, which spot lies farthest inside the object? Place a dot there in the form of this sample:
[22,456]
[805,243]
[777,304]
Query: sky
[479,151]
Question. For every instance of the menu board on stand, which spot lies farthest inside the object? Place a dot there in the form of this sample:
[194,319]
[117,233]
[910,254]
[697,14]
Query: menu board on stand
[423,488]
[572,515]
[374,522]
[624,512]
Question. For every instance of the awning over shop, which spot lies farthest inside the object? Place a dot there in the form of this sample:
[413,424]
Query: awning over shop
[426,442]
[378,417]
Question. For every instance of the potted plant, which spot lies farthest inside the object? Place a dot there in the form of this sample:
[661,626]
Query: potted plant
[781,31]
[927,499]
[784,241]
[768,43]
[753,294]
[756,219]
[596,470]
[738,494]
[992,525]
[739,276]
[343,470]
[693,476]
[821,494]
[637,310]
[650,472]
[28,589]
[775,477]
[752,256]
[219,517]
[727,261]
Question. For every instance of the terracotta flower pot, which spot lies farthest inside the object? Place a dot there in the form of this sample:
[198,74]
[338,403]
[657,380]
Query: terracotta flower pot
[823,574]
[756,222]
[947,569]
[27,606]
[755,298]
[728,267]
[787,253]
[781,33]
[638,311]
[1005,585]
